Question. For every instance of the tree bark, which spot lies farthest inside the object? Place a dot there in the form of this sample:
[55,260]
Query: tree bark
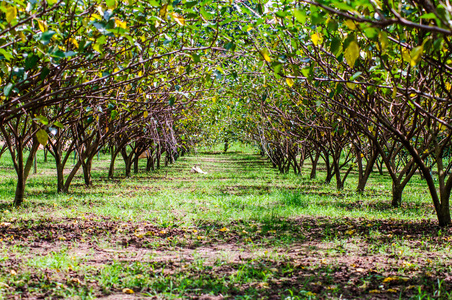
[397,191]
[314,162]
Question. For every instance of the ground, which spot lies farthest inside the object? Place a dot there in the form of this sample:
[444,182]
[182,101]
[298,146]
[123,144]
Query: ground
[242,231]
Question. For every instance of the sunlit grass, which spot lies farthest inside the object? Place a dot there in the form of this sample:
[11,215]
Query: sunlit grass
[261,221]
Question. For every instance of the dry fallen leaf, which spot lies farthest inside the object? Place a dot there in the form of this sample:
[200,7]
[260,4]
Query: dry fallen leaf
[128,291]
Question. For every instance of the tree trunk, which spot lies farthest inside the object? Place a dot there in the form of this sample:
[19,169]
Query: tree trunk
[226,145]
[60,174]
[397,190]
[60,179]
[150,162]
[364,176]
[87,171]
[443,214]
[314,165]
[444,218]
[23,170]
[71,176]
[158,156]
[329,171]
[339,181]
[20,187]
[135,163]
[113,155]
[128,167]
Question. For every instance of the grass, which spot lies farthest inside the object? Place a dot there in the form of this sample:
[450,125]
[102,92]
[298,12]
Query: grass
[242,231]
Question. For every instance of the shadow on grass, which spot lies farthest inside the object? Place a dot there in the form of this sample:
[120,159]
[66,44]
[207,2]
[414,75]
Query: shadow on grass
[264,278]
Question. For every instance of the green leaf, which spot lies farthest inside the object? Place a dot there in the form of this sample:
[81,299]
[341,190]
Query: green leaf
[356,75]
[196,58]
[31,61]
[44,72]
[335,46]
[300,15]
[171,101]
[111,4]
[6,54]
[42,119]
[113,113]
[428,16]
[7,89]
[51,2]
[69,53]
[154,3]
[191,4]
[58,124]
[47,36]
[306,72]
[370,32]
[42,137]
[332,26]
[230,46]
[352,53]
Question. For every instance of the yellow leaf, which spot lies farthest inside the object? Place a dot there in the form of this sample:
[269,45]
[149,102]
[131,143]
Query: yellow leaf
[316,40]
[22,37]
[145,114]
[266,55]
[351,85]
[128,291]
[42,25]
[42,137]
[394,92]
[121,24]
[389,279]
[374,292]
[74,42]
[224,229]
[448,86]
[11,14]
[352,53]
[178,18]
[383,38]
[97,48]
[350,24]
[416,55]
[289,82]
[441,126]
[163,11]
